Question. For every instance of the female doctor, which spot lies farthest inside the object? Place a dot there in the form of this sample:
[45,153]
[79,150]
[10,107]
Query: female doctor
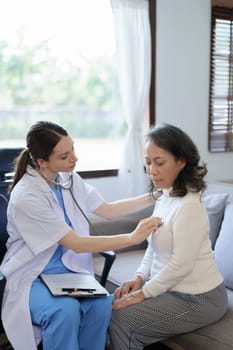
[49,234]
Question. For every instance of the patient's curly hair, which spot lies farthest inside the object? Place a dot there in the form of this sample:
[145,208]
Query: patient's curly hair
[179,144]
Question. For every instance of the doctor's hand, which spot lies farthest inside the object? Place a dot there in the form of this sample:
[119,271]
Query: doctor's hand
[128,299]
[128,287]
[144,228]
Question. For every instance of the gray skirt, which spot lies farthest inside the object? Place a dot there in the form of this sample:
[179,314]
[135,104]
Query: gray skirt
[169,314]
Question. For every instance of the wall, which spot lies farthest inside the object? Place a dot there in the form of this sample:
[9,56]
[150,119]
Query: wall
[182,84]
[182,81]
[106,186]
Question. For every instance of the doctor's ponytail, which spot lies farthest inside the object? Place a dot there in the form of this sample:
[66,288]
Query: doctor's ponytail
[21,163]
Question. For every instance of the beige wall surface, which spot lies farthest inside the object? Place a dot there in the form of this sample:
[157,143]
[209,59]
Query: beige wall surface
[182,76]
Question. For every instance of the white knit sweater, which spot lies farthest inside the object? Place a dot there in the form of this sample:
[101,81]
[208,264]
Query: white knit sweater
[179,255]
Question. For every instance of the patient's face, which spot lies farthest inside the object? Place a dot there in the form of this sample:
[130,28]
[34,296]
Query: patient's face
[162,167]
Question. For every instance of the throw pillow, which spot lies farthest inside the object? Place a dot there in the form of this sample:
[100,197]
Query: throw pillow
[215,206]
[223,247]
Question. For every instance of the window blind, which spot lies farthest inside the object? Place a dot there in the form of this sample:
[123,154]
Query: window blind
[221,81]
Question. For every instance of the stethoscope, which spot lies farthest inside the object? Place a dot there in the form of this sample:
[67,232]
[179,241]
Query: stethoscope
[68,186]
[65,184]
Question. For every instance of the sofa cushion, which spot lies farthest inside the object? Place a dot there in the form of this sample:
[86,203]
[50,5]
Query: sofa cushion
[215,206]
[124,266]
[223,247]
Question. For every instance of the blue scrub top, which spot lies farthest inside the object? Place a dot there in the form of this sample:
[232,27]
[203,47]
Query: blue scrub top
[55,265]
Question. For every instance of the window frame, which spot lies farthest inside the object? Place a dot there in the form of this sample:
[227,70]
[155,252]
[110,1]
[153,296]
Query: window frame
[220,143]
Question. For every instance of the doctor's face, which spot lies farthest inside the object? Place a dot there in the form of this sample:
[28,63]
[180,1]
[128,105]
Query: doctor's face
[162,167]
[63,157]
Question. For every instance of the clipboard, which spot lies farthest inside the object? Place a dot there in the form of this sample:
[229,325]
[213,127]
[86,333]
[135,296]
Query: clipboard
[73,284]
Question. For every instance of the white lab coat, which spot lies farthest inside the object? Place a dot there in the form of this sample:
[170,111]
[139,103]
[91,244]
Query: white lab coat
[35,224]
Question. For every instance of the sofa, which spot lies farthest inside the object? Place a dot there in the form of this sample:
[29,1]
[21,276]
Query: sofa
[218,200]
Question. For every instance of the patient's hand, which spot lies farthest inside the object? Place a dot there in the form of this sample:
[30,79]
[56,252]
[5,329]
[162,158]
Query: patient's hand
[128,287]
[128,299]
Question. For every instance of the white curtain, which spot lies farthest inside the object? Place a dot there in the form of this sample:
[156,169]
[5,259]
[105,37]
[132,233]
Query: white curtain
[133,41]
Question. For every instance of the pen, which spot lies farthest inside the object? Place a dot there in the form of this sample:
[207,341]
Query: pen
[71,290]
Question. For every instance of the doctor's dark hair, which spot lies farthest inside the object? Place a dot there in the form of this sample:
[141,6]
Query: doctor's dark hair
[41,139]
[175,141]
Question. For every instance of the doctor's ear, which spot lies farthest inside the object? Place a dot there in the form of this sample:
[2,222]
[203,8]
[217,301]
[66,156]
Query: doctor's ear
[42,164]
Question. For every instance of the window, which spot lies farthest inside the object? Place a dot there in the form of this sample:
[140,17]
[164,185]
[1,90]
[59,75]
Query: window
[221,81]
[58,62]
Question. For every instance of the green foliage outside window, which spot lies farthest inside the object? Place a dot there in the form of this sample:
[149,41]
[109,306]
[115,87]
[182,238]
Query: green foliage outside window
[35,84]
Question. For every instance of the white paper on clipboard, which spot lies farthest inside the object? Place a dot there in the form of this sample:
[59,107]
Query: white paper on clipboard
[73,284]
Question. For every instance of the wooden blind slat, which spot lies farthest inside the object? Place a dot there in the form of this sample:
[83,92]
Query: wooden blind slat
[221,81]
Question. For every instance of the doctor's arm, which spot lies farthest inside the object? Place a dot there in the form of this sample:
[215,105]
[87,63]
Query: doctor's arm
[96,244]
[111,210]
